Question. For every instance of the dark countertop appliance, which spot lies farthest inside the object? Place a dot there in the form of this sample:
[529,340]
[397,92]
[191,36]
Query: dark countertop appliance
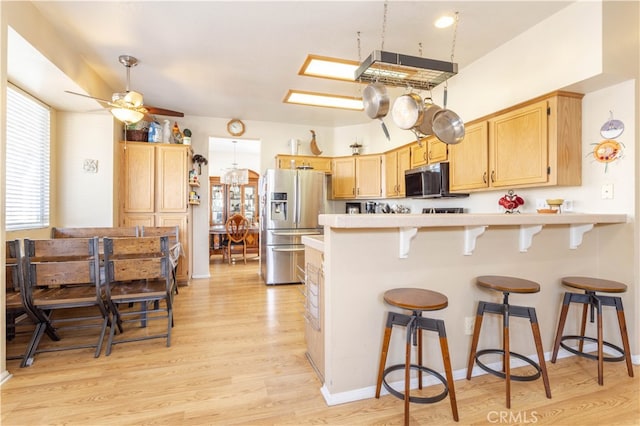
[430,181]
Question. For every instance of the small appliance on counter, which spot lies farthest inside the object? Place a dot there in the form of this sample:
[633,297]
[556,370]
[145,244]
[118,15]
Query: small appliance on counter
[353,208]
[442,210]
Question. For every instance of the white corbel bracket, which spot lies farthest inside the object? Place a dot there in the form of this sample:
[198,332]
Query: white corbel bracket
[526,235]
[406,235]
[576,232]
[471,234]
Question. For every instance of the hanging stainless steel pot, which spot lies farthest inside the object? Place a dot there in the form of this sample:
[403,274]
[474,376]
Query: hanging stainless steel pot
[425,127]
[447,125]
[407,111]
[376,103]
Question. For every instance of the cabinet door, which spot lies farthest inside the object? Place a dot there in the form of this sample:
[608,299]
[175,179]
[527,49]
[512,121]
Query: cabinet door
[234,200]
[391,174]
[437,150]
[369,176]
[137,187]
[216,202]
[404,163]
[182,274]
[172,177]
[250,202]
[419,154]
[322,164]
[137,219]
[518,141]
[469,160]
[343,180]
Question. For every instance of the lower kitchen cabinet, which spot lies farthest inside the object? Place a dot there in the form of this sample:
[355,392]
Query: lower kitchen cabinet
[314,309]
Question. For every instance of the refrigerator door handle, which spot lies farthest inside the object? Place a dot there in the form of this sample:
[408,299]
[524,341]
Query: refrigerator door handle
[288,249]
[296,191]
[294,233]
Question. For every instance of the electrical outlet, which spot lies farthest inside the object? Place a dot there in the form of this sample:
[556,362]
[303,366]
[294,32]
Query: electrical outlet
[541,203]
[607,191]
[567,206]
[468,325]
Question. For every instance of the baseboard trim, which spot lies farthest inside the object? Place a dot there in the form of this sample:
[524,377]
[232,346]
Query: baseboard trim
[370,391]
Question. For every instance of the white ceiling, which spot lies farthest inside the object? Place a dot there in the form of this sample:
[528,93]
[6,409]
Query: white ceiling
[239,58]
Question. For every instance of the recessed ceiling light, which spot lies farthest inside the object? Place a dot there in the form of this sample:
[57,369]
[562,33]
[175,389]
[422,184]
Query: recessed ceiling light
[444,21]
[323,100]
[326,67]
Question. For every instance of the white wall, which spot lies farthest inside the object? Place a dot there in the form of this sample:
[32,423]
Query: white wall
[85,199]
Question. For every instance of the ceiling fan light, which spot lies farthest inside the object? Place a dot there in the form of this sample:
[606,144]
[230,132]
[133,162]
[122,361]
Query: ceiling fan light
[133,98]
[127,115]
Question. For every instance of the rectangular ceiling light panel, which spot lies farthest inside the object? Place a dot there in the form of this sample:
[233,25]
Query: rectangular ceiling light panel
[326,67]
[323,100]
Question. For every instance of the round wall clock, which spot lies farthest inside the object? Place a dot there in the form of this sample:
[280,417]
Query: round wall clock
[235,127]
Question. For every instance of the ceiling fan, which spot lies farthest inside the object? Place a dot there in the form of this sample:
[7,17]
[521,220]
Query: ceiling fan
[128,106]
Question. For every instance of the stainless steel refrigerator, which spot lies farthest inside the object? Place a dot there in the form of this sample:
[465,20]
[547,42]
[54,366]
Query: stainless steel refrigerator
[290,202]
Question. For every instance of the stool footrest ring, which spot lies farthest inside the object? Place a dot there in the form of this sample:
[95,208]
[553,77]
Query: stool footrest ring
[502,374]
[417,399]
[590,356]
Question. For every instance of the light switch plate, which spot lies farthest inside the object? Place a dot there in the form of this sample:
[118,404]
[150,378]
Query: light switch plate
[607,191]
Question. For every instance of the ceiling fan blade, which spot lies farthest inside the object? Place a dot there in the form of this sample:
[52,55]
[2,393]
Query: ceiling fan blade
[104,101]
[162,111]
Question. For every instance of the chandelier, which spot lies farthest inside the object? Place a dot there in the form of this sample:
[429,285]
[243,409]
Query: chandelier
[234,176]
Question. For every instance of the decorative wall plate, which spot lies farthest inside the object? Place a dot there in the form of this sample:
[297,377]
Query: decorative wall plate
[607,151]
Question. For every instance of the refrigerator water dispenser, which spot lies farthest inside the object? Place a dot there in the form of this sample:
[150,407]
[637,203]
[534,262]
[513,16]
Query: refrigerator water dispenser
[279,206]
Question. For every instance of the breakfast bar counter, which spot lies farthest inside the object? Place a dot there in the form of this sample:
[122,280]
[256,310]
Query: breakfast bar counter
[363,255]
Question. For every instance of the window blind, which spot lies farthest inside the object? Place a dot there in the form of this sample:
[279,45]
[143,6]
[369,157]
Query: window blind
[27,162]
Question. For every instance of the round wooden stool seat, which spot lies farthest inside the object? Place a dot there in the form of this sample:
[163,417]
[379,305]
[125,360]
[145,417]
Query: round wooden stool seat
[508,284]
[594,284]
[416,299]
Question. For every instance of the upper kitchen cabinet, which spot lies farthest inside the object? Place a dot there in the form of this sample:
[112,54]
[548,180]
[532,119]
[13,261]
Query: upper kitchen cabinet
[469,160]
[358,176]
[429,150]
[322,164]
[395,163]
[537,143]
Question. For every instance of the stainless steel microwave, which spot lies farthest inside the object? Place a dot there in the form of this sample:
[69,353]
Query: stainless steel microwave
[430,181]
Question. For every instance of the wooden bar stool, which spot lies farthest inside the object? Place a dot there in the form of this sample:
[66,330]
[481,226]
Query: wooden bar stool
[594,302]
[508,285]
[416,300]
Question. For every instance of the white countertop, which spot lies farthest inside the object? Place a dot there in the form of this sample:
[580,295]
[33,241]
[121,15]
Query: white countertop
[314,241]
[464,219]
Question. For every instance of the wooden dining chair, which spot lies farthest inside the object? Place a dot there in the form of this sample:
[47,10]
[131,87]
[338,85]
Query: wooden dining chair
[20,318]
[138,270]
[175,248]
[93,231]
[237,227]
[64,275]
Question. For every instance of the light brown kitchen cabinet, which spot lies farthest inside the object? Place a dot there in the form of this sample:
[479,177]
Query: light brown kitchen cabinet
[358,176]
[469,160]
[537,143]
[153,185]
[396,162]
[430,150]
[322,164]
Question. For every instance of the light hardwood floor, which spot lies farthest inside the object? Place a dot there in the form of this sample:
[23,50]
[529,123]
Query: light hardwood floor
[238,358]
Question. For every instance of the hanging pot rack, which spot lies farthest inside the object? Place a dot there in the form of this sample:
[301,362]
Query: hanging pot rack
[398,70]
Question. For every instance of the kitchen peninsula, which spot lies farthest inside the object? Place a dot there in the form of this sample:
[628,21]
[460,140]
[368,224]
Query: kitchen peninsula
[362,256]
